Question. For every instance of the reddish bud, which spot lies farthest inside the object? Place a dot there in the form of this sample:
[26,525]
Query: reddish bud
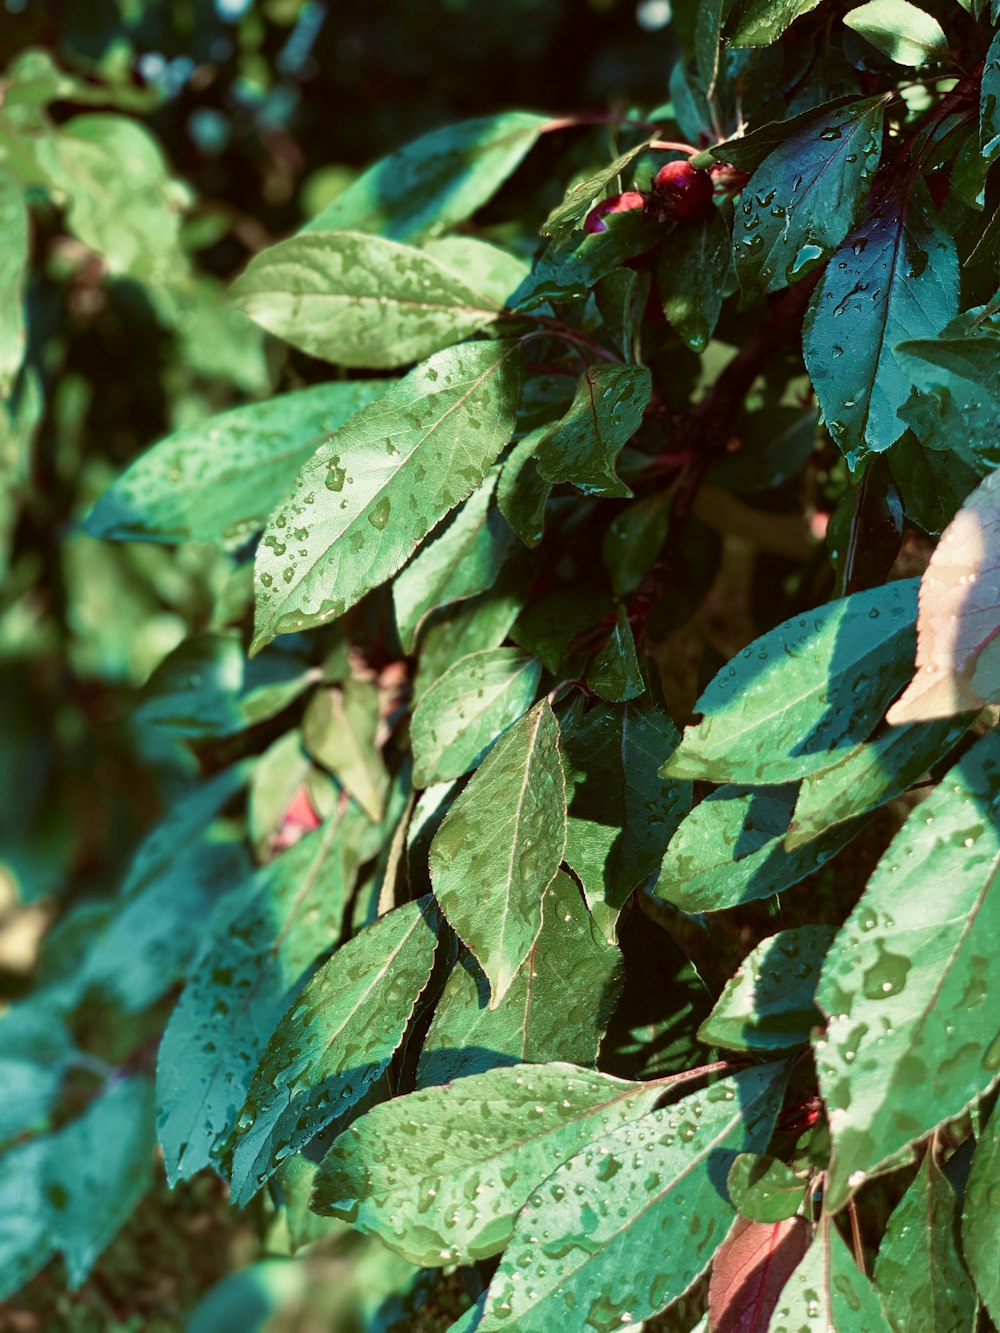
[681,192]
[729,178]
[617,203]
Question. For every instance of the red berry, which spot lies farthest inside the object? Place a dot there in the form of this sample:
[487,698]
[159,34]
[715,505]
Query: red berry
[617,203]
[681,192]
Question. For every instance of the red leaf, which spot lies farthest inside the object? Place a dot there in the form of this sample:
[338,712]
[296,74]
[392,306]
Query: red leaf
[751,1268]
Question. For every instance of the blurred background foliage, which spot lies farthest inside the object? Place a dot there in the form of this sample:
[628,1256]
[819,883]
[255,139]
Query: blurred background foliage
[256,113]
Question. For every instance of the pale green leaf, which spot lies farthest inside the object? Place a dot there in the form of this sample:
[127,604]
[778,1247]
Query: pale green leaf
[362,504]
[13,263]
[905,33]
[338,730]
[828,1293]
[760,22]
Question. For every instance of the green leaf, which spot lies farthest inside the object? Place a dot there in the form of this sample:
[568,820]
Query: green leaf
[815,685]
[775,445]
[911,1037]
[634,539]
[549,624]
[870,775]
[359,300]
[760,22]
[621,813]
[460,563]
[955,393]
[500,846]
[626,1225]
[435,181]
[96,1170]
[615,674]
[540,1019]
[119,198]
[36,1049]
[27,1242]
[707,39]
[919,1272]
[366,499]
[207,688]
[691,276]
[255,960]
[768,1005]
[523,493]
[749,150]
[604,415]
[563,220]
[731,849]
[567,272]
[895,278]
[278,774]
[334,1042]
[219,480]
[13,263]
[488,270]
[806,196]
[440,1198]
[901,31]
[338,730]
[764,1189]
[931,484]
[989,104]
[464,712]
[828,1291]
[979,1215]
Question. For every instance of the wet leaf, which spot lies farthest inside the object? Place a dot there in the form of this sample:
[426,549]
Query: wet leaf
[557,1007]
[370,495]
[894,278]
[500,846]
[563,220]
[760,22]
[828,1291]
[359,300]
[582,448]
[523,492]
[815,685]
[900,30]
[634,540]
[764,1190]
[334,1041]
[435,181]
[919,1272]
[256,958]
[768,1005]
[568,271]
[615,674]
[911,1039]
[620,812]
[338,730]
[806,196]
[750,1270]
[626,1225]
[979,1215]
[958,623]
[731,849]
[462,562]
[468,709]
[691,276]
[219,480]
[440,1175]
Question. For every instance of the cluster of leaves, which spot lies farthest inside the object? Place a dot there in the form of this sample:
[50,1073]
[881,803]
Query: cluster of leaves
[480,867]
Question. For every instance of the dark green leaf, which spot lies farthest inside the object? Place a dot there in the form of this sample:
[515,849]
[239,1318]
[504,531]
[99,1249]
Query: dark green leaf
[540,1018]
[691,275]
[815,685]
[257,957]
[775,444]
[338,730]
[894,278]
[359,300]
[634,540]
[768,1005]
[806,196]
[501,844]
[829,1291]
[468,709]
[919,1273]
[605,414]
[220,480]
[749,150]
[435,181]
[901,31]
[334,1041]
[614,674]
[979,1215]
[870,775]
[373,491]
[764,1189]
[96,1170]
[35,1051]
[760,22]
[439,1198]
[523,493]
[911,1038]
[27,1242]
[621,813]
[563,220]
[707,37]
[626,1225]
[989,104]
[932,484]
[567,272]
[463,561]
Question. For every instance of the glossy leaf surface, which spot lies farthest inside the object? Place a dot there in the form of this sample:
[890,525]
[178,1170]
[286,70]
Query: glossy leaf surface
[979,1215]
[605,414]
[902,31]
[763,1189]
[828,1291]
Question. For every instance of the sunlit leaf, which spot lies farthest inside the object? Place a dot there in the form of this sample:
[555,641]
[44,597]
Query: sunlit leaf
[902,31]
[750,1270]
